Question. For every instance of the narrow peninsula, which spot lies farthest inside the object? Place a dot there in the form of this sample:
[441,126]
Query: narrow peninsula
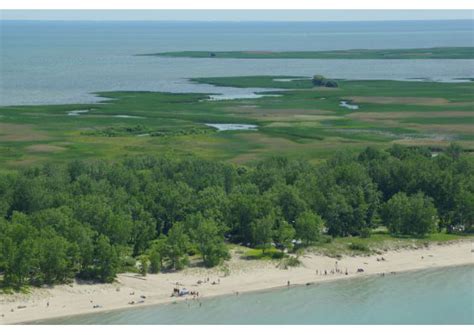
[418,53]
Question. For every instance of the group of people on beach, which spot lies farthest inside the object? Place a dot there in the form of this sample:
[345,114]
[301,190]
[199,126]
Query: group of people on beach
[207,280]
[335,270]
[194,294]
[183,292]
[133,302]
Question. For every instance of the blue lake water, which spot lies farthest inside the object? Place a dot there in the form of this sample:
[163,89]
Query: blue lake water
[436,296]
[63,62]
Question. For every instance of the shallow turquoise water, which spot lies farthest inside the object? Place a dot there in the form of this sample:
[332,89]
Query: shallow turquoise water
[439,296]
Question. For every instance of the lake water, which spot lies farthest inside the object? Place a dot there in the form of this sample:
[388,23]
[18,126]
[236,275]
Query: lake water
[347,105]
[436,296]
[231,126]
[64,62]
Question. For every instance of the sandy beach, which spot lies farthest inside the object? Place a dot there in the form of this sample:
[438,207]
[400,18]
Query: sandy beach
[131,290]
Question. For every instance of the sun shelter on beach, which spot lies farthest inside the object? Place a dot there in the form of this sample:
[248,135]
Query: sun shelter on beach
[183,292]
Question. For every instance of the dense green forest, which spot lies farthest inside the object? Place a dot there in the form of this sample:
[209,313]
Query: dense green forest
[92,219]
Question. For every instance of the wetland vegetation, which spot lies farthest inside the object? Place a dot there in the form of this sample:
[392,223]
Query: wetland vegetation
[421,53]
[300,121]
[86,192]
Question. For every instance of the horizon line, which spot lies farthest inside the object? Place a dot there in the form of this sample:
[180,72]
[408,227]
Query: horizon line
[233,21]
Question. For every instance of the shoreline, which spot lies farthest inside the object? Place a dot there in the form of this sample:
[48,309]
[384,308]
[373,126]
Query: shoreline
[264,290]
[245,277]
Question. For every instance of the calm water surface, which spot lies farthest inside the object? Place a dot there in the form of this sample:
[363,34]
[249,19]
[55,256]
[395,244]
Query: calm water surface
[437,296]
[63,62]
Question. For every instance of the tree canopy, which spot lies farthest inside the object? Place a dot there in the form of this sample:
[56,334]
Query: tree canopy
[93,219]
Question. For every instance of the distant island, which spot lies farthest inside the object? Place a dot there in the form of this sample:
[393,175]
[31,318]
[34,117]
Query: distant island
[419,53]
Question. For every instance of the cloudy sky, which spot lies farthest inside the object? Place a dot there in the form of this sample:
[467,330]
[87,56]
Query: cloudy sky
[238,15]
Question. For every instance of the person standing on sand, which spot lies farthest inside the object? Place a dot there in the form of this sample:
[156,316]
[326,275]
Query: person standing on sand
[288,284]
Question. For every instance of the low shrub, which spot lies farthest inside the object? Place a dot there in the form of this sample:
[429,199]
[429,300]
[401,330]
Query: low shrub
[358,246]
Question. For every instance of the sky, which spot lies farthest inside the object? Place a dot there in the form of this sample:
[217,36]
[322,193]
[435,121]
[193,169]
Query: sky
[237,15]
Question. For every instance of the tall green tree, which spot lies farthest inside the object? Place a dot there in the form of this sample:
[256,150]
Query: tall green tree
[410,215]
[106,260]
[423,216]
[262,231]
[309,227]
[19,249]
[54,262]
[463,212]
[144,265]
[394,213]
[176,246]
[289,201]
[157,253]
[284,235]
[210,242]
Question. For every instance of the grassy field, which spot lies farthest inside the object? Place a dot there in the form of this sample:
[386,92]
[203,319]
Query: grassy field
[299,121]
[427,53]
[378,242]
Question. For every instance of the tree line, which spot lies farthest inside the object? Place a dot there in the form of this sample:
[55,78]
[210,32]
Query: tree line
[93,219]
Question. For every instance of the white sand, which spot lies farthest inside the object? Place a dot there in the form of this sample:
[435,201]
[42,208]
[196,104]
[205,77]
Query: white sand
[243,276]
